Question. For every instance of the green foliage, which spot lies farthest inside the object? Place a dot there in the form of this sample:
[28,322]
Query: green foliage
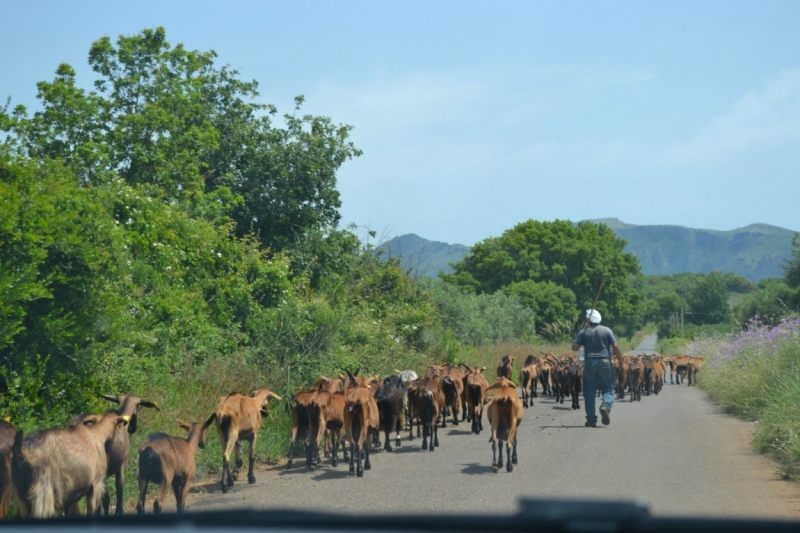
[167,120]
[549,302]
[481,319]
[708,301]
[573,257]
[770,303]
[664,329]
[561,331]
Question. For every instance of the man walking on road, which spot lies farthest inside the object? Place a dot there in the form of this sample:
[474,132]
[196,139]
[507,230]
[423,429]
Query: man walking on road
[597,341]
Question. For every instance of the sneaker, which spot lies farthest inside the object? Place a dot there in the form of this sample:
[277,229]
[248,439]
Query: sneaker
[605,415]
[591,424]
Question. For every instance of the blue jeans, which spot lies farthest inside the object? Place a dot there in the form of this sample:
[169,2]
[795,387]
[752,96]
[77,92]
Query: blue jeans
[597,373]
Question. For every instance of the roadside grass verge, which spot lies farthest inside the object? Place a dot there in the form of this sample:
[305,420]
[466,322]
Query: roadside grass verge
[755,375]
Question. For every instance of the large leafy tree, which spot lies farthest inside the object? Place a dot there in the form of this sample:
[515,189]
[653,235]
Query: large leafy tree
[573,257]
[709,300]
[192,134]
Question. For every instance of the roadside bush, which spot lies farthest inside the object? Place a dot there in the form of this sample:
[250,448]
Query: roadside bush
[755,374]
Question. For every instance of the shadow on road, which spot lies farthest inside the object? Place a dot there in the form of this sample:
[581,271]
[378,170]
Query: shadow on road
[566,427]
[559,408]
[340,472]
[475,469]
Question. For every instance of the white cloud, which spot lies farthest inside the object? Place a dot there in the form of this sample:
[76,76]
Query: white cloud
[766,118]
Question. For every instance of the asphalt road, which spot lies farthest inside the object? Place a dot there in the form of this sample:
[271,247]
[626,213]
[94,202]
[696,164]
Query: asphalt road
[676,452]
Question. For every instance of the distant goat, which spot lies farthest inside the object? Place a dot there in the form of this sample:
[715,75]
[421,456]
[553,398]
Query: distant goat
[528,377]
[505,415]
[238,418]
[407,378]
[169,461]
[119,452]
[58,467]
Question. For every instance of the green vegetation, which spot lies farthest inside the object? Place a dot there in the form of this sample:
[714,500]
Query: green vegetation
[555,268]
[754,252]
[755,375]
[774,298]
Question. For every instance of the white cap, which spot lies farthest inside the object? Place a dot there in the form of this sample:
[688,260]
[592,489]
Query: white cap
[593,315]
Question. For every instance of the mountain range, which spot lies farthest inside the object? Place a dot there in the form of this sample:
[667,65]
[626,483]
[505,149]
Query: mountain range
[756,251]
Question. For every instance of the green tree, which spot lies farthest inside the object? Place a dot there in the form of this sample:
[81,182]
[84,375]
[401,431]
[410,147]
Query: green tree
[549,302]
[769,303]
[190,133]
[576,257]
[791,267]
[708,301]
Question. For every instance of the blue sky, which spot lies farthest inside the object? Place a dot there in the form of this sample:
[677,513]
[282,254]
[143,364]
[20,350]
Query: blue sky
[474,116]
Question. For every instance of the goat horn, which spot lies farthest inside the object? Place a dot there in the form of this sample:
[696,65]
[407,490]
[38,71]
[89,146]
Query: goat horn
[396,371]
[147,403]
[114,399]
[7,418]
[275,395]
[123,418]
[323,377]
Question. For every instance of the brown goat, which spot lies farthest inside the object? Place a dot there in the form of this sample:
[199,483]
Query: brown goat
[58,467]
[300,421]
[475,385]
[325,413]
[238,418]
[361,420]
[505,415]
[169,461]
[528,376]
[8,436]
[119,452]
[506,367]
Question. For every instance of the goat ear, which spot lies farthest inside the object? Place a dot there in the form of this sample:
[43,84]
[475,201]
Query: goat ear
[210,420]
[184,425]
[147,403]
[114,399]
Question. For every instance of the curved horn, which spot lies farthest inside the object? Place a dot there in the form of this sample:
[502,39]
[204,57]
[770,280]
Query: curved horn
[148,403]
[273,395]
[110,398]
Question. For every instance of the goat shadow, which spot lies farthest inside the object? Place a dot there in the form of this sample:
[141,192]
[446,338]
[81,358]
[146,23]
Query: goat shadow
[340,472]
[460,432]
[559,408]
[476,469]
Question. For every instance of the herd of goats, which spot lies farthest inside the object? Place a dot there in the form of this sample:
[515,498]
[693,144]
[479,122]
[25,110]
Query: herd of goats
[48,472]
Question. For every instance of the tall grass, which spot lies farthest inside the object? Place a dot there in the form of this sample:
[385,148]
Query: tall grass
[755,374]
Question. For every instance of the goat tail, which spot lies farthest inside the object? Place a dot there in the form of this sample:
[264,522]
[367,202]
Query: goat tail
[42,495]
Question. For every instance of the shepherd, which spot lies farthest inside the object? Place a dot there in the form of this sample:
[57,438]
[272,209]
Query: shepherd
[597,342]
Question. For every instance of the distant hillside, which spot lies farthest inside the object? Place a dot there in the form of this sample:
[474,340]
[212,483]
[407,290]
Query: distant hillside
[424,257]
[756,251]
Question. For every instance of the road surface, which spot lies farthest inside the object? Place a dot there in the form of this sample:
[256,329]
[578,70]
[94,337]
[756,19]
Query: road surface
[675,452]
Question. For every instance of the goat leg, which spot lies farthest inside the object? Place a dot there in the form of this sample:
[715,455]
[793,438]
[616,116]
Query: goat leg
[514,456]
[142,495]
[251,477]
[367,464]
[494,455]
[509,466]
[500,453]
[119,484]
[353,451]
